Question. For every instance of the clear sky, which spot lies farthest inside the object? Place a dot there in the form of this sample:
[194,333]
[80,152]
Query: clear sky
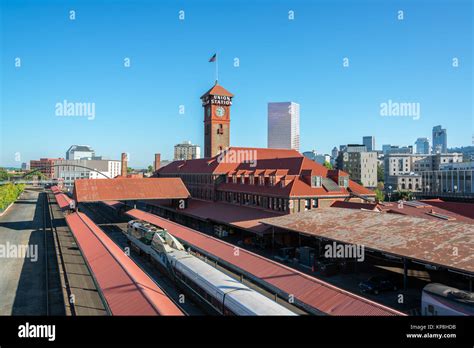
[300,60]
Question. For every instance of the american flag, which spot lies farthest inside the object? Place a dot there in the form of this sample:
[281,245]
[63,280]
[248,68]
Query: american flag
[213,58]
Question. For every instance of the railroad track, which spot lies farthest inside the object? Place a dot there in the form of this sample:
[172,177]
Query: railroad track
[53,301]
[44,204]
[115,231]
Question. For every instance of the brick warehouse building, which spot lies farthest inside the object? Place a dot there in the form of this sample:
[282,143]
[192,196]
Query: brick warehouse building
[277,180]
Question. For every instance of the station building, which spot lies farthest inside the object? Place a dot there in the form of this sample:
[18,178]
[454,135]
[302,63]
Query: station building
[277,180]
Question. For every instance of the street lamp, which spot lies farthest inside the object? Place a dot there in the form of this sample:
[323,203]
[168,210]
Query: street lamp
[389,192]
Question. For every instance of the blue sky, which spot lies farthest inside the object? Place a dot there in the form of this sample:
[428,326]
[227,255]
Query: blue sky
[301,60]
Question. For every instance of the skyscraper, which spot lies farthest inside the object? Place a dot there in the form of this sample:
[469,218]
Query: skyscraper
[284,125]
[369,142]
[440,140]
[422,146]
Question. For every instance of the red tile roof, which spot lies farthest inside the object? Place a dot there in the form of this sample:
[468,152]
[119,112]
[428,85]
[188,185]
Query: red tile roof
[310,291]
[126,288]
[280,162]
[218,90]
[93,190]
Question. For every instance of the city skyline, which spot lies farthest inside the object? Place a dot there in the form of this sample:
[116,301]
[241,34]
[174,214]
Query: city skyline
[143,102]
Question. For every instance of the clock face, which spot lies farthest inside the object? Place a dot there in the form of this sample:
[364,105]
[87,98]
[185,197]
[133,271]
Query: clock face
[220,111]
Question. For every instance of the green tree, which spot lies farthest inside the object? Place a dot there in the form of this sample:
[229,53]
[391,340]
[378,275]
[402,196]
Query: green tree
[3,175]
[379,195]
[405,195]
[9,193]
[328,165]
[38,175]
[150,168]
[380,173]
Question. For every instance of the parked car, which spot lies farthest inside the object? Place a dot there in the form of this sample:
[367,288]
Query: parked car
[377,284]
[328,267]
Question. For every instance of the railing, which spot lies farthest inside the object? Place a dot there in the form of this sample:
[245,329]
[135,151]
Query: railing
[36,182]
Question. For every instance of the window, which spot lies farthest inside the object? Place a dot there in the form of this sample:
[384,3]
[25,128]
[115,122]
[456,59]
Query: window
[234,179]
[252,179]
[343,181]
[272,180]
[316,181]
[261,180]
[242,179]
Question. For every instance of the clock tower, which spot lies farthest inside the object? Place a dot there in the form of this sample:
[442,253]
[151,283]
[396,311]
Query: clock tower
[216,103]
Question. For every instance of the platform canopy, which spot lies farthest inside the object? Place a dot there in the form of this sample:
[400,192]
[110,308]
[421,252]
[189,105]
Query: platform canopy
[129,189]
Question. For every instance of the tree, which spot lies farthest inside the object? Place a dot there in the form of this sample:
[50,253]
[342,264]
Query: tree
[404,195]
[380,173]
[3,175]
[328,165]
[379,195]
[150,168]
[129,170]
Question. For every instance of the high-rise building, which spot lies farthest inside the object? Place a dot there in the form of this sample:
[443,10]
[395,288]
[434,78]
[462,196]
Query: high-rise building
[186,151]
[284,125]
[77,152]
[440,140]
[386,148]
[216,102]
[369,142]
[422,146]
[361,165]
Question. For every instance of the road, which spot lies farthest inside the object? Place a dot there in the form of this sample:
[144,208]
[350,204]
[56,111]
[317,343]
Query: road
[24,276]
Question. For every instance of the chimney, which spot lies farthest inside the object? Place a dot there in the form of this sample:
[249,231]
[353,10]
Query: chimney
[156,164]
[124,160]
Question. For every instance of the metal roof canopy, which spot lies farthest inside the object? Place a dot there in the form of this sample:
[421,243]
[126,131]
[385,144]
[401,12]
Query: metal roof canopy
[126,189]
[127,289]
[442,243]
[311,292]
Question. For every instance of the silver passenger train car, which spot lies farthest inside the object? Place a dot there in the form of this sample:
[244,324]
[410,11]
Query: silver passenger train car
[223,293]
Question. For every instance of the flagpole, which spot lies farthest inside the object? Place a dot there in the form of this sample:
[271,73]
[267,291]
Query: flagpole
[217,68]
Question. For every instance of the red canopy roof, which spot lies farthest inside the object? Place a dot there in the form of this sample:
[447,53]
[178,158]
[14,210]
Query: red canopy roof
[126,288]
[93,190]
[309,290]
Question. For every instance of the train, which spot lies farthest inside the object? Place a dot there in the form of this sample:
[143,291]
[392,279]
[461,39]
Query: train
[224,294]
[440,299]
